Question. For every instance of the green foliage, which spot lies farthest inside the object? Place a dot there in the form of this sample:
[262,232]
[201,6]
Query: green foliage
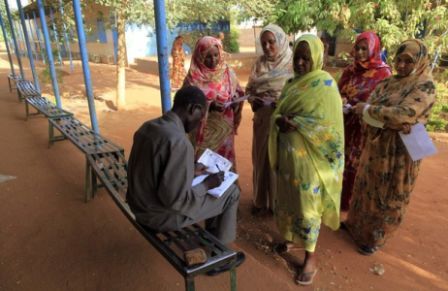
[232,44]
[258,9]
[438,121]
[394,20]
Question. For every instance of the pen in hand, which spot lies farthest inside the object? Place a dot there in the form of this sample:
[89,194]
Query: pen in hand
[222,179]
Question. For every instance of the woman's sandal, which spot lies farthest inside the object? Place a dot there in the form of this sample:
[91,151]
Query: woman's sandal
[367,251]
[310,276]
[283,247]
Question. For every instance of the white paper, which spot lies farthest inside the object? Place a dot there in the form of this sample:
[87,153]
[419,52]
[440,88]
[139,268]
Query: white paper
[346,108]
[418,143]
[236,100]
[216,163]
[229,179]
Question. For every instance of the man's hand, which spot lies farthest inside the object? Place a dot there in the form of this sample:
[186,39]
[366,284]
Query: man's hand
[214,180]
[199,169]
[285,124]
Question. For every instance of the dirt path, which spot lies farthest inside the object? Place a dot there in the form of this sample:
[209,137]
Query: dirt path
[51,240]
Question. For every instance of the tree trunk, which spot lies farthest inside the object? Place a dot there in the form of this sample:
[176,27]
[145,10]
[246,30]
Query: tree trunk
[121,57]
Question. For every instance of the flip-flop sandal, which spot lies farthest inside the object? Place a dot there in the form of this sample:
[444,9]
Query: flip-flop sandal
[311,276]
[367,251]
[343,226]
[280,248]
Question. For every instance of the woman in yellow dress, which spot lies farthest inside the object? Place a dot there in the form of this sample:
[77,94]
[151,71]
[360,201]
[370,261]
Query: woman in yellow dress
[306,151]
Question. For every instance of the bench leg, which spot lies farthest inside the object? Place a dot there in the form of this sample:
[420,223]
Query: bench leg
[50,134]
[89,181]
[189,284]
[27,110]
[9,84]
[232,279]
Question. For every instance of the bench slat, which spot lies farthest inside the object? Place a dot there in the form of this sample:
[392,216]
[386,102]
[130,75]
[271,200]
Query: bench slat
[83,137]
[44,106]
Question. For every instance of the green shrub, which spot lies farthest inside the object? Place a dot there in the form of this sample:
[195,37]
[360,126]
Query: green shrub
[232,44]
[438,121]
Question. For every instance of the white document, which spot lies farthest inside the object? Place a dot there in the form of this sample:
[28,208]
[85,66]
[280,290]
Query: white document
[215,163]
[236,100]
[418,143]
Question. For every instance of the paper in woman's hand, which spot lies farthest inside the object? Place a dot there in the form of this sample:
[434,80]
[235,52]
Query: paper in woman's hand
[418,143]
[236,100]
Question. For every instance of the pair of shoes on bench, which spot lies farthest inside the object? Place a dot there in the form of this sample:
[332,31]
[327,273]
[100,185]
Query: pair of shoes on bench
[240,257]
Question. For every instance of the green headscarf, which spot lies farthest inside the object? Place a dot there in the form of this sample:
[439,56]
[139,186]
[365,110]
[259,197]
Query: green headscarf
[316,48]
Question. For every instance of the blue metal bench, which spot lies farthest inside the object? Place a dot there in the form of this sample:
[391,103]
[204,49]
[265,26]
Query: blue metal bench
[84,139]
[45,107]
[111,170]
[26,89]
[12,81]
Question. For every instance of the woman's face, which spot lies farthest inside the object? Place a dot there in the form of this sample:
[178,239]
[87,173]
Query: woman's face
[269,44]
[302,59]
[404,65]
[362,51]
[211,60]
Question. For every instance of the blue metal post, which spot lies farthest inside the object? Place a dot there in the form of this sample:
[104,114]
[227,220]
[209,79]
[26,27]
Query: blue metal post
[19,38]
[54,78]
[56,38]
[33,41]
[28,46]
[162,53]
[67,43]
[38,38]
[115,38]
[16,47]
[85,64]
[5,37]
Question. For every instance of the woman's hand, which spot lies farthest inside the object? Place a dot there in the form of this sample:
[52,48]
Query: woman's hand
[404,127]
[256,104]
[359,108]
[217,106]
[285,124]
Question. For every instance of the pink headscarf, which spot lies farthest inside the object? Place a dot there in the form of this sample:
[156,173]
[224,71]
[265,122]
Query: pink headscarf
[374,61]
[218,84]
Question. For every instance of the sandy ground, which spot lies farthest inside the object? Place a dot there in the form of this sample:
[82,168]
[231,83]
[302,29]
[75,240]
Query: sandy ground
[51,240]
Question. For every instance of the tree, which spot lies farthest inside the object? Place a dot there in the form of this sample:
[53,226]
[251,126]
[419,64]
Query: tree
[393,20]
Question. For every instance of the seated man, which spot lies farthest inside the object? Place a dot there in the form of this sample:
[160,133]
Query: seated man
[161,169]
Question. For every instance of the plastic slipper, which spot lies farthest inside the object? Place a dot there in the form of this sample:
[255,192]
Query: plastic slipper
[310,275]
[367,251]
[280,248]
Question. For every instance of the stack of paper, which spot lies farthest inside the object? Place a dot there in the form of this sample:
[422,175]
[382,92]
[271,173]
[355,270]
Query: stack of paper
[216,163]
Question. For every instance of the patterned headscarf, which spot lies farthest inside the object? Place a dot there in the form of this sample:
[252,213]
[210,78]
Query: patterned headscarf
[316,48]
[417,50]
[217,84]
[270,74]
[374,61]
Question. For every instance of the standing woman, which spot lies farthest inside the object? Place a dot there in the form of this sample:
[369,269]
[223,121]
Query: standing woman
[266,81]
[356,84]
[386,173]
[217,80]
[306,151]
[178,70]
